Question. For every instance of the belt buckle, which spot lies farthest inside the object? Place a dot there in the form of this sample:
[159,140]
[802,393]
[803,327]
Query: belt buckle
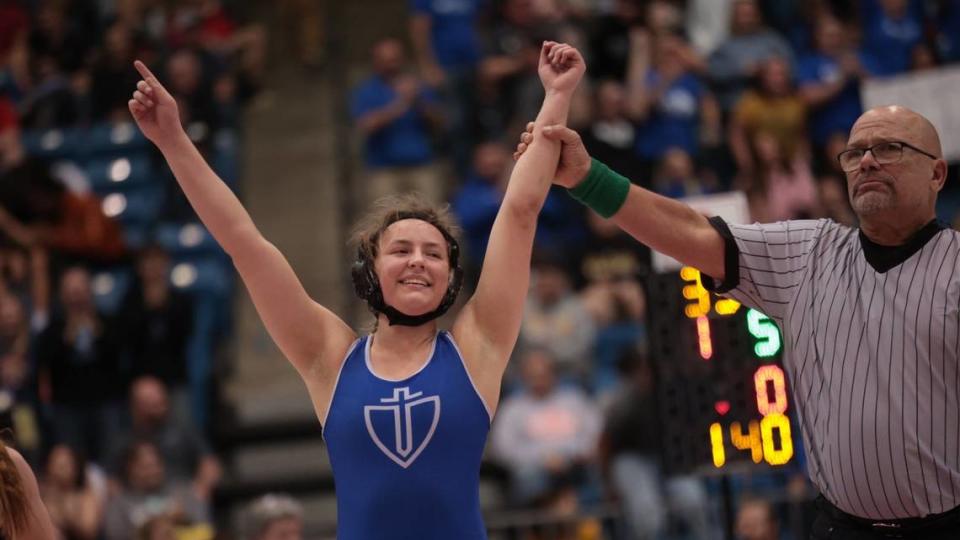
[887,529]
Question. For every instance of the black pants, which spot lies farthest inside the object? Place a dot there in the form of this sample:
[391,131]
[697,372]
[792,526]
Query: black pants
[834,524]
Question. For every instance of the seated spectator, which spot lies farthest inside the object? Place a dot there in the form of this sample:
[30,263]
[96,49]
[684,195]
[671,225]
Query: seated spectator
[156,322]
[631,457]
[546,436]
[676,177]
[738,59]
[947,21]
[774,108]
[756,520]
[780,188]
[670,103]
[395,112]
[273,517]
[186,455]
[147,493]
[556,318]
[891,31]
[478,200]
[74,494]
[829,80]
[79,365]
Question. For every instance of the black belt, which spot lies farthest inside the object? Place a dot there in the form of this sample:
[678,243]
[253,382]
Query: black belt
[948,521]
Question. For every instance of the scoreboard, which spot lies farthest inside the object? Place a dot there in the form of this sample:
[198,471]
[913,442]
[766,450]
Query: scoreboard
[722,391]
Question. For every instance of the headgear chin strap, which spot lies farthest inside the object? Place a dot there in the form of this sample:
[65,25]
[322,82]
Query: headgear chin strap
[367,285]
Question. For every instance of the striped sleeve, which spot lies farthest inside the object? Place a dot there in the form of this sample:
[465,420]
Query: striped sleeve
[764,263]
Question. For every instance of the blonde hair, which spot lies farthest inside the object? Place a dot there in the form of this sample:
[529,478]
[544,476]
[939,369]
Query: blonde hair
[387,210]
[13,500]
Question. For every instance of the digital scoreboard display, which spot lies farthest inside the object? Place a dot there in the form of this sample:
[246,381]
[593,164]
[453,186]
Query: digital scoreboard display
[722,393]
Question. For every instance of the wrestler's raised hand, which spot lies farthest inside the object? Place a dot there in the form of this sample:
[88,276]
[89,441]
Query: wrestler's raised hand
[154,109]
[561,67]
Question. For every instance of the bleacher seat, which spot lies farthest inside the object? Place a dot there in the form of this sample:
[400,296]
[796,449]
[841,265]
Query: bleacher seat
[119,173]
[186,240]
[109,288]
[135,205]
[118,139]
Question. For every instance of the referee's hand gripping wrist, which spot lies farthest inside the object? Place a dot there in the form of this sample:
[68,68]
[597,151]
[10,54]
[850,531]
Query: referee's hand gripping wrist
[574,165]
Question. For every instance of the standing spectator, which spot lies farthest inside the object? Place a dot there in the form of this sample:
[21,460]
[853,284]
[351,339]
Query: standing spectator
[445,38]
[186,455]
[157,320]
[891,31]
[447,50]
[610,40]
[273,517]
[780,188]
[546,435]
[773,109]
[395,112]
[74,499]
[111,74]
[739,58]
[556,318]
[78,361]
[631,455]
[148,493]
[829,81]
[612,134]
[668,100]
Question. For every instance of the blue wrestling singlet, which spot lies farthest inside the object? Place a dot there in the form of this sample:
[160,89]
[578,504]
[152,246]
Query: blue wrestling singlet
[406,454]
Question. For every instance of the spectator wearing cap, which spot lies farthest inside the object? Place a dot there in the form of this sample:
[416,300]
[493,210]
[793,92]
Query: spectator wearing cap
[273,517]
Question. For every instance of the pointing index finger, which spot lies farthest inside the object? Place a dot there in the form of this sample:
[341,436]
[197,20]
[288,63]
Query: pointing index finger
[146,73]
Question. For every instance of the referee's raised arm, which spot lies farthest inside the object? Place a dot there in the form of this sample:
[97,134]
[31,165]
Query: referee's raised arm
[663,224]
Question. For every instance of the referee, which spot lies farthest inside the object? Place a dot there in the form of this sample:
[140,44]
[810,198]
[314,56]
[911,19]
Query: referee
[869,316]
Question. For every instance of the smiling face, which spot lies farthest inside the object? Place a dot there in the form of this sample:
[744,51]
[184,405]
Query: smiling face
[413,266]
[904,191]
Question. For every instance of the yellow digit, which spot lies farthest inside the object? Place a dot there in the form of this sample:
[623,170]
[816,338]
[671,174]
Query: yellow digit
[726,306]
[767,425]
[694,291]
[716,445]
[748,441]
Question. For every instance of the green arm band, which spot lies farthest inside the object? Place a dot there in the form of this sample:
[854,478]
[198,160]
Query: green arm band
[603,190]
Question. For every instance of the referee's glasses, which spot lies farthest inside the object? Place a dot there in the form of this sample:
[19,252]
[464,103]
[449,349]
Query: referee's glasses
[885,153]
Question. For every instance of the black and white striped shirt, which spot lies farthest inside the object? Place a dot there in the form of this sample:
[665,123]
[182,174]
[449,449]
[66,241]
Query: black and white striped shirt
[872,337]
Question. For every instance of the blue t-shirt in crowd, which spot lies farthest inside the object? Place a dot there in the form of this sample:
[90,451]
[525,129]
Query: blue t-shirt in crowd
[674,120]
[456,44]
[405,141]
[838,114]
[890,41]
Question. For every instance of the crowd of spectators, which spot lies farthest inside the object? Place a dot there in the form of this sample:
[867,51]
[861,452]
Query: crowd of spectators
[112,297]
[684,97]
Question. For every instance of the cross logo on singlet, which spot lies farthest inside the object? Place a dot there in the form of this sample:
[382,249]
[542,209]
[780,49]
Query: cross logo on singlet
[407,420]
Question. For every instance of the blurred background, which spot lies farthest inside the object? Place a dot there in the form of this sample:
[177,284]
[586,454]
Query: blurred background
[142,387]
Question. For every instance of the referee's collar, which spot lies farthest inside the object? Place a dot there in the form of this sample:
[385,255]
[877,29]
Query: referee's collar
[883,258]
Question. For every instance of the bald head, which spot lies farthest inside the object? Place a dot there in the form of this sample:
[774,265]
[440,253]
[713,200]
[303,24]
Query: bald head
[915,127]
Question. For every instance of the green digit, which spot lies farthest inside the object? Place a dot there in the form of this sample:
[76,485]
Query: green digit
[766,332]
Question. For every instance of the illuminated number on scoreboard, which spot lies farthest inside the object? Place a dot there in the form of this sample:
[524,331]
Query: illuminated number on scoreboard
[781,423]
[748,441]
[766,377]
[700,306]
[703,337]
[716,445]
[766,332]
